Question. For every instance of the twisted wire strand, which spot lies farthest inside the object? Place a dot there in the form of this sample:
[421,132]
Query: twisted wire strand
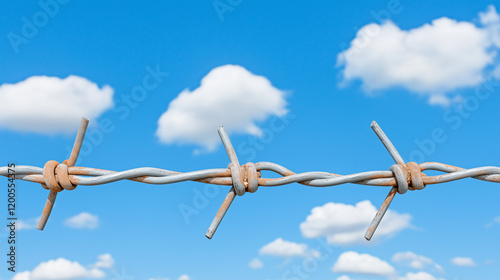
[246,178]
[87,176]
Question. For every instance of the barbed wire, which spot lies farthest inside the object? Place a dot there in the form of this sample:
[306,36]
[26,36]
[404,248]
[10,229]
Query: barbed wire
[401,176]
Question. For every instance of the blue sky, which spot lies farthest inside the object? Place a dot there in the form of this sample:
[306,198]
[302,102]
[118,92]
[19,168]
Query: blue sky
[294,83]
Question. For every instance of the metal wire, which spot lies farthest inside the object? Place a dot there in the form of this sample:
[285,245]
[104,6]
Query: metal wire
[246,178]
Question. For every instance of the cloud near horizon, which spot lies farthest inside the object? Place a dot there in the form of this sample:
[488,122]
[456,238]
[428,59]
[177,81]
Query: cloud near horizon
[63,269]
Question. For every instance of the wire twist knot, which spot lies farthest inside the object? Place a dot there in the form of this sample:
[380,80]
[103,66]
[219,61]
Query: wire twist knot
[56,176]
[402,174]
[408,177]
[415,174]
[245,178]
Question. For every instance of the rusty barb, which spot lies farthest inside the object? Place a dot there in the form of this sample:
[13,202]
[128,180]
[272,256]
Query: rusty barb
[401,177]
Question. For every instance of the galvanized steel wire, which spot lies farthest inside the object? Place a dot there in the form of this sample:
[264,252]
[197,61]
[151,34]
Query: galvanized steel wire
[401,177]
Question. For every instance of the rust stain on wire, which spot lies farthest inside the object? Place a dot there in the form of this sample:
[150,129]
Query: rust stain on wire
[401,177]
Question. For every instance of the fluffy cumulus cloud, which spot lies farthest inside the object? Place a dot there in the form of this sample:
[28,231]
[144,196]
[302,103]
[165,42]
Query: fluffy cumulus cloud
[345,224]
[60,269]
[463,261]
[434,59]
[255,264]
[411,259]
[83,221]
[354,262]
[50,104]
[283,248]
[419,276]
[230,96]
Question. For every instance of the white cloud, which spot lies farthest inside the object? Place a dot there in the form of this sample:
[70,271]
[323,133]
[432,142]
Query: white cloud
[434,59]
[230,96]
[255,264]
[462,261]
[346,224]
[26,224]
[51,105]
[353,262]
[412,259]
[104,261]
[343,277]
[419,276]
[25,275]
[60,269]
[491,20]
[83,221]
[283,248]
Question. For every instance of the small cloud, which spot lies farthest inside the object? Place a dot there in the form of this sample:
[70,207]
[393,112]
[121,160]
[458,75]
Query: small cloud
[411,259]
[438,268]
[27,224]
[104,261]
[345,224]
[60,269]
[82,221]
[229,95]
[343,277]
[283,248]
[255,264]
[353,262]
[419,276]
[51,105]
[463,261]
